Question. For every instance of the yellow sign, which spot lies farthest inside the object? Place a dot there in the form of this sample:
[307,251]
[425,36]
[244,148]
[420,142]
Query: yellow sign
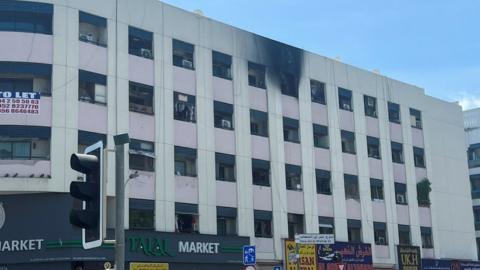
[307,256]
[148,266]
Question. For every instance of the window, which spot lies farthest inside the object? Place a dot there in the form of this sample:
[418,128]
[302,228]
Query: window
[185,161]
[427,241]
[317,90]
[183,54]
[474,155]
[226,221]
[184,107]
[401,193]
[24,143]
[142,155]
[256,75]
[348,142]
[475,185]
[261,172]
[141,214]
[140,42]
[376,189]
[320,136]
[323,182]
[476,217]
[288,84]
[397,152]
[423,192]
[20,16]
[86,138]
[263,223]
[326,225]
[394,112]
[140,98]
[354,230]
[92,87]
[419,157]
[415,118]
[293,175]
[225,167]
[20,76]
[222,65]
[258,123]
[223,115]
[373,147]
[92,29]
[345,99]
[370,105]
[295,225]
[186,217]
[404,235]
[380,233]
[290,130]
[351,187]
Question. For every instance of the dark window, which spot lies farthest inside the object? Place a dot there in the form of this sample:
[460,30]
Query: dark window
[351,187]
[348,142]
[140,98]
[222,65]
[397,152]
[186,216]
[376,189]
[323,180]
[140,42]
[262,223]
[184,107]
[370,105]
[223,115]
[373,147]
[293,176]
[320,136]
[419,157]
[24,143]
[92,87]
[380,233]
[415,118]
[142,155]
[326,225]
[394,112]
[354,230]
[476,217]
[141,214]
[317,90]
[22,16]
[258,123]
[474,155]
[404,235]
[475,186]
[427,241]
[261,172]
[256,75]
[27,77]
[401,193]
[86,139]
[92,29]
[226,221]
[290,130]
[289,84]
[185,161]
[225,167]
[183,54]
[345,99]
[295,225]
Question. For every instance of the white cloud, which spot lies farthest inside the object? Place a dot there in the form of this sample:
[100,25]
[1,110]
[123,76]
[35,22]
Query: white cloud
[468,101]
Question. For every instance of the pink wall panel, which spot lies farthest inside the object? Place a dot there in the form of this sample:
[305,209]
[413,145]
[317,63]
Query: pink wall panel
[258,98]
[226,194]
[420,174]
[322,158]
[399,174]
[222,90]
[379,211]
[92,58]
[262,198]
[184,80]
[143,186]
[225,141]
[381,251]
[290,107]
[375,167]
[42,119]
[346,120]
[325,205]
[424,216]
[260,147]
[428,253]
[417,137]
[293,153]
[295,202]
[350,163]
[26,47]
[140,69]
[87,112]
[185,134]
[186,189]
[142,126]
[264,245]
[319,114]
[354,210]
[396,132]
[403,214]
[24,168]
[372,127]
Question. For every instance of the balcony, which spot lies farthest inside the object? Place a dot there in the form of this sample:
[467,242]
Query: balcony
[25,168]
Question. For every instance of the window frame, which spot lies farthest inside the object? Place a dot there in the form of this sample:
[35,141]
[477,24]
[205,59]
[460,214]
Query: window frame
[370,109]
[264,166]
[223,115]
[377,189]
[345,99]
[319,134]
[262,129]
[397,148]
[254,71]
[189,113]
[323,178]
[394,113]
[351,181]
[348,139]
[293,172]
[183,54]
[319,88]
[222,65]
[380,231]
[372,143]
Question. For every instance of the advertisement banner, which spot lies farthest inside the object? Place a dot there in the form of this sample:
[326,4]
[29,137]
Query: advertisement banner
[18,102]
[432,264]
[349,255]
[290,255]
[409,258]
[148,266]
[307,256]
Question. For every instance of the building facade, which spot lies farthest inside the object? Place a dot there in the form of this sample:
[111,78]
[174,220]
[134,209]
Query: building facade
[233,136]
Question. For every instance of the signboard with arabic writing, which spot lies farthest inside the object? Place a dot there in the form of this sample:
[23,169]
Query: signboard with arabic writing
[409,258]
[18,102]
[434,264]
[353,256]
[306,256]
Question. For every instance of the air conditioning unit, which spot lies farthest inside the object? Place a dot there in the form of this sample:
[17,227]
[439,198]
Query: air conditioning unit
[226,124]
[401,198]
[370,102]
[381,241]
[187,64]
[146,53]
[346,106]
[87,37]
[299,186]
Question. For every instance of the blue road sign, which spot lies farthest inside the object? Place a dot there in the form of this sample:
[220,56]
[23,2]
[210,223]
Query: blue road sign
[249,255]
[277,268]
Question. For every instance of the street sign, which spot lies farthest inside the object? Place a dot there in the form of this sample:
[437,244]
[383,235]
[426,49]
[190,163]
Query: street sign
[314,238]
[249,255]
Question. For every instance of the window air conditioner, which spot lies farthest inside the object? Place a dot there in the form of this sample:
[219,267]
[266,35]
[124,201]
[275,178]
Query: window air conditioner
[381,240]
[370,102]
[146,53]
[87,37]
[299,186]
[400,198]
[346,106]
[187,64]
[226,124]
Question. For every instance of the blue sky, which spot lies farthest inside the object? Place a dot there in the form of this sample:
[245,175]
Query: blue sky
[432,44]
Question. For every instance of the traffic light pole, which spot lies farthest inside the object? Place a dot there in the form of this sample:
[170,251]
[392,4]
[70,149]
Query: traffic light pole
[120,208]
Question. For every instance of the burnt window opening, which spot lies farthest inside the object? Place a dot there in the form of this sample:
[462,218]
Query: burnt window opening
[291,130]
[373,147]
[376,189]
[404,235]
[92,87]
[141,155]
[320,136]
[261,172]
[92,29]
[345,99]
[225,167]
[317,90]
[141,214]
[380,233]
[415,118]
[183,54]
[293,177]
[370,105]
[186,217]
[258,123]
[223,115]
[354,228]
[184,107]
[323,180]
[23,16]
[401,193]
[427,240]
[348,142]
[394,112]
[262,223]
[24,143]
[289,84]
[397,152]
[256,75]
[351,187]
[419,157]
[26,77]
[222,65]
[140,98]
[86,138]
[295,225]
[140,42]
[226,221]
[326,225]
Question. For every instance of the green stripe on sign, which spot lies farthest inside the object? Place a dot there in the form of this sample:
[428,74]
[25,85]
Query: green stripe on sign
[231,249]
[71,244]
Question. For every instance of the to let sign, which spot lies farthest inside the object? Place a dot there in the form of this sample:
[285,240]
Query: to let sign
[19,102]
[312,238]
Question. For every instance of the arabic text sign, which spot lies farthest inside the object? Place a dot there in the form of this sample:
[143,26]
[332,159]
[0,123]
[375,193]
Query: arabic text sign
[312,238]
[148,266]
[354,256]
[18,102]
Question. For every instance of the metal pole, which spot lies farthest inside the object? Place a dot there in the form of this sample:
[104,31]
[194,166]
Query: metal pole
[120,211]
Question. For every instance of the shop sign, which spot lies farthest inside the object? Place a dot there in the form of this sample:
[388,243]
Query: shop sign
[148,266]
[433,264]
[409,258]
[18,102]
[150,246]
[198,247]
[306,256]
[290,255]
[354,256]
[21,245]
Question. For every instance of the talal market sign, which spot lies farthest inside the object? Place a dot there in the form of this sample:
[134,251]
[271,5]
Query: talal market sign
[152,246]
[20,245]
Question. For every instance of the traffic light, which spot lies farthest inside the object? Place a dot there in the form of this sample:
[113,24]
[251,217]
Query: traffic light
[90,191]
